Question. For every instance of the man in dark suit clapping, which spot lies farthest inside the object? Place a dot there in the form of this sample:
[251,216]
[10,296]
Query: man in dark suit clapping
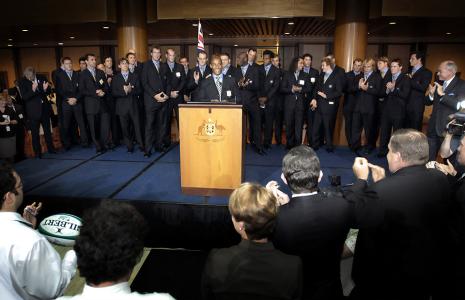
[404,238]
[67,87]
[444,99]
[93,86]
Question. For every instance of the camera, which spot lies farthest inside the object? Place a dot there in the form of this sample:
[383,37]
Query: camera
[457,126]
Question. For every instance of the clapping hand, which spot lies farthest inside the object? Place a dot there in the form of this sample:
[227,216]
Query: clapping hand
[273,187]
[196,76]
[313,104]
[34,86]
[323,95]
[30,213]
[390,85]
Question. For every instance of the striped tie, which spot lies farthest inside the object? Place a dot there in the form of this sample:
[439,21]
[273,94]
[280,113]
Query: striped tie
[218,85]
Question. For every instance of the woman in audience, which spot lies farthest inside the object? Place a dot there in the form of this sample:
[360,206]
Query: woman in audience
[8,121]
[253,269]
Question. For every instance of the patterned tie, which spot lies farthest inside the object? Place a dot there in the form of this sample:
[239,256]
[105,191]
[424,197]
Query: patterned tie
[444,86]
[218,85]
[325,78]
[125,76]
[70,74]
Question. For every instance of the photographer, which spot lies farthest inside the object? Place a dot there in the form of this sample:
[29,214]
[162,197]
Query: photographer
[450,144]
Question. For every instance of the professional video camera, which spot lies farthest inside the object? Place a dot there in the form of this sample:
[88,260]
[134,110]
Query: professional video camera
[457,124]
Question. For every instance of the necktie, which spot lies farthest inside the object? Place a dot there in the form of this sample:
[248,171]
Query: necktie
[125,76]
[244,70]
[70,75]
[382,74]
[157,66]
[366,77]
[218,85]
[325,78]
[296,76]
[93,73]
[444,86]
[266,71]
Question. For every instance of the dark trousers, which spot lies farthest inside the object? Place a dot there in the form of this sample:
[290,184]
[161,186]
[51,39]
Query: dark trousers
[172,105]
[294,120]
[99,125]
[348,126]
[35,132]
[362,121]
[130,123]
[279,119]
[253,113]
[389,123]
[268,114]
[69,114]
[327,122]
[155,121]
[114,123]
[434,143]
[414,118]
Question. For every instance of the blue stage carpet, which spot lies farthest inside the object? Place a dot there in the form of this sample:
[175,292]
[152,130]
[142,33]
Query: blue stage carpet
[80,173]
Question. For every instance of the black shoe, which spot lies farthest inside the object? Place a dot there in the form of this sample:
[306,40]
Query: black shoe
[38,156]
[147,154]
[52,151]
[260,151]
[130,150]
[267,146]
[329,149]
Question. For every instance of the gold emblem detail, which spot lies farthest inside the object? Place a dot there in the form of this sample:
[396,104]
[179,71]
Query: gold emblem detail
[210,131]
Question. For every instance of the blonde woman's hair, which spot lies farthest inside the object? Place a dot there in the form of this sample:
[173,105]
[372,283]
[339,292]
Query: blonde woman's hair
[257,207]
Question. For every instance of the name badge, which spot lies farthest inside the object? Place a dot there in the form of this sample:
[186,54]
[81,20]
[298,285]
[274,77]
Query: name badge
[312,80]
[302,82]
[178,74]
[371,86]
[8,128]
[330,86]
[271,81]
[101,81]
[228,93]
[20,116]
[331,103]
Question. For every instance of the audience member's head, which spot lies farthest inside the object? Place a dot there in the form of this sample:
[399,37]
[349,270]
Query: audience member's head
[251,55]
[110,243]
[417,58]
[132,60]
[447,70]
[301,170]
[382,63]
[82,63]
[202,58]
[308,58]
[369,65]
[396,66]
[407,147]
[91,60]
[267,56]
[225,60]
[11,189]
[327,65]
[357,65]
[254,210]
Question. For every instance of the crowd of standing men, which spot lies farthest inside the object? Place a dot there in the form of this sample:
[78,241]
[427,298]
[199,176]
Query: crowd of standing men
[136,103]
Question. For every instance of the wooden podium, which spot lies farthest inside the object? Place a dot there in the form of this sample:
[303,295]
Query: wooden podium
[212,148]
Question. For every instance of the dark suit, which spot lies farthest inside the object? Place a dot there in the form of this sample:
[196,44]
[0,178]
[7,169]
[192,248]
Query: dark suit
[251,271]
[350,99]
[279,111]
[442,108]
[400,254]
[381,103]
[127,108]
[154,82]
[365,109]
[20,130]
[315,227]
[393,115]
[249,98]
[294,111]
[416,102]
[59,101]
[192,86]
[69,88]
[232,71]
[96,107]
[269,88]
[38,111]
[309,115]
[208,90]
[177,81]
[327,107]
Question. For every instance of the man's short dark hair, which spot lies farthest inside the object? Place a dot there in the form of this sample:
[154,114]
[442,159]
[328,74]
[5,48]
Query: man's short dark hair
[122,59]
[154,47]
[419,55]
[7,181]
[411,144]
[86,57]
[65,58]
[269,53]
[110,242]
[307,55]
[82,58]
[129,53]
[184,57]
[226,54]
[301,168]
[252,49]
[201,52]
[397,61]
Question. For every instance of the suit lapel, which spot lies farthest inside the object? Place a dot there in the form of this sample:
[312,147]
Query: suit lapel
[452,84]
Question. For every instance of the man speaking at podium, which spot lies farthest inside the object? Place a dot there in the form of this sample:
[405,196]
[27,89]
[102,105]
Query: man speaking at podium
[218,87]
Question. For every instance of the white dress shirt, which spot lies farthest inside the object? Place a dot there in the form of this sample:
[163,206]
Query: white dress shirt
[120,291]
[30,268]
